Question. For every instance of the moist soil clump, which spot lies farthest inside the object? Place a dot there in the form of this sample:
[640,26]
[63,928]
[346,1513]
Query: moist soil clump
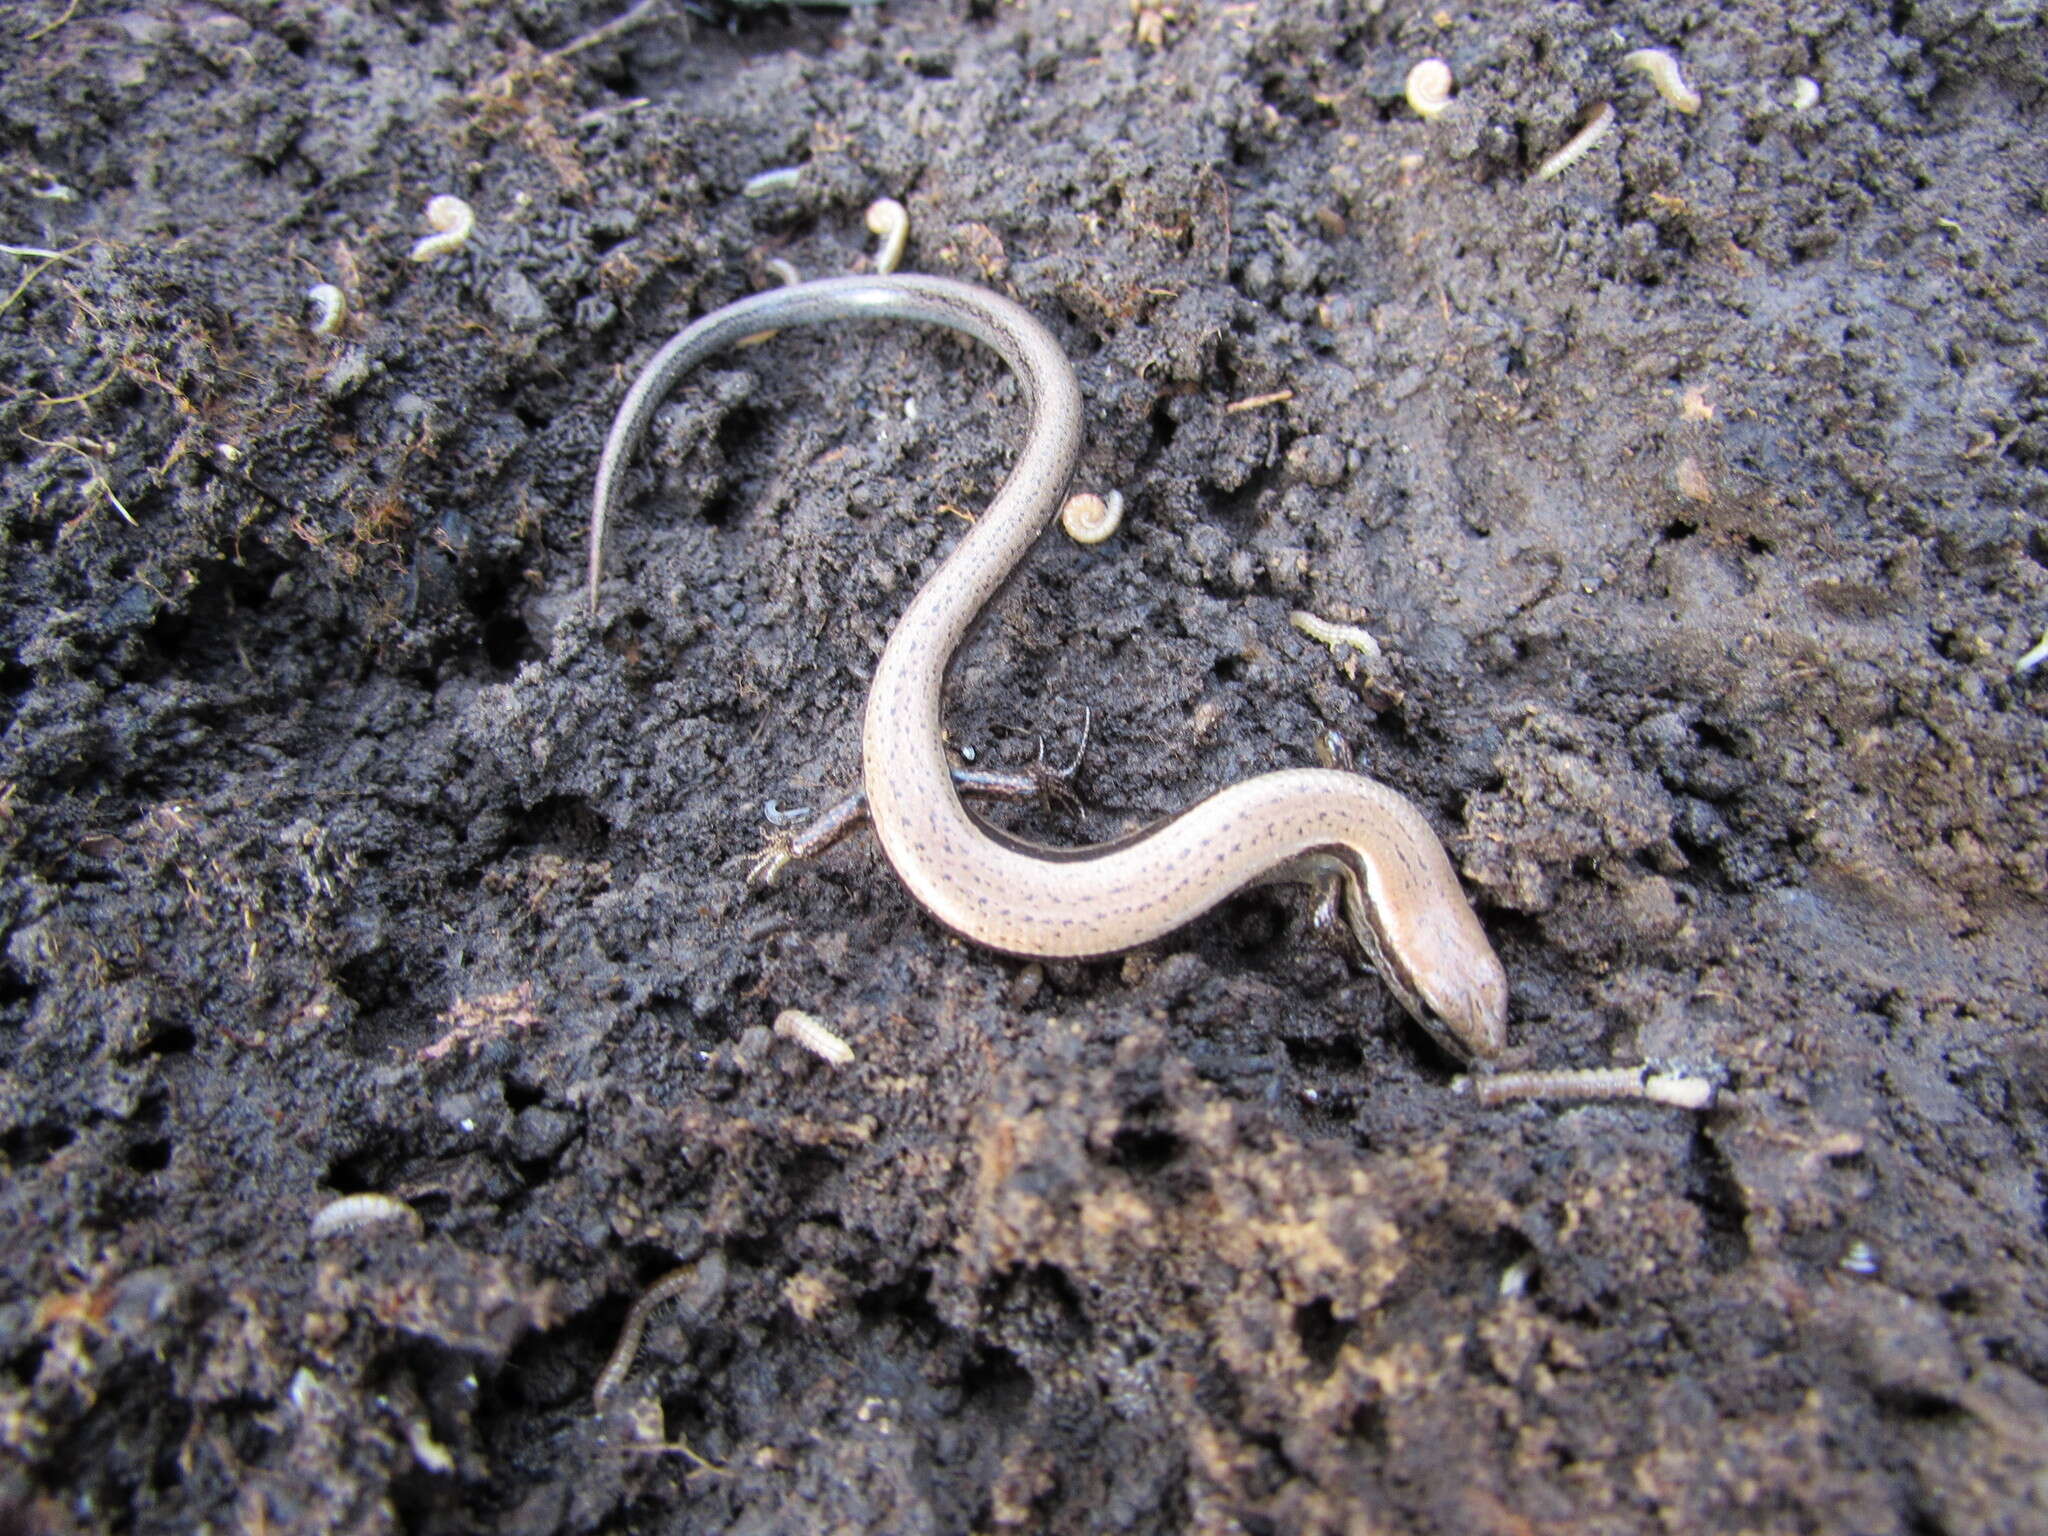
[1692,497]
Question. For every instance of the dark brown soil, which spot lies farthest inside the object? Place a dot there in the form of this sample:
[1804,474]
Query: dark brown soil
[1696,495]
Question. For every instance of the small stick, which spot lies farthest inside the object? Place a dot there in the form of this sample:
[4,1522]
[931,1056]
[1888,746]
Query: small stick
[1255,402]
[45,30]
[645,11]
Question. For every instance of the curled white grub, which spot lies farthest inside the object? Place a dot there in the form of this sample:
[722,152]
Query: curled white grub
[812,1033]
[1429,87]
[330,308]
[891,220]
[1678,1089]
[352,1213]
[453,218]
[1805,93]
[1574,149]
[1089,519]
[1662,69]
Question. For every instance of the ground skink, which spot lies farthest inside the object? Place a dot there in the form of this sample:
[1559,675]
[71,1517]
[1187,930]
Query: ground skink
[1401,898]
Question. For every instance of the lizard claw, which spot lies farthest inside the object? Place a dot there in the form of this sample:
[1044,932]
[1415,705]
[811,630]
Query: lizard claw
[775,856]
